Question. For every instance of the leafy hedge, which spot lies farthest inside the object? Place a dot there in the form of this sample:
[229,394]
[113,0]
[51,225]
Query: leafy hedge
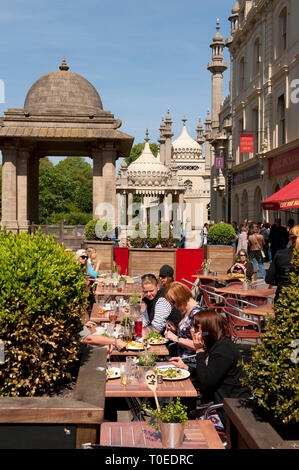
[273,372]
[221,234]
[43,293]
[98,229]
[152,235]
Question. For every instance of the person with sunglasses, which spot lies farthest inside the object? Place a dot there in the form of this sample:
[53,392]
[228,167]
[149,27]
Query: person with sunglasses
[82,257]
[218,370]
[242,265]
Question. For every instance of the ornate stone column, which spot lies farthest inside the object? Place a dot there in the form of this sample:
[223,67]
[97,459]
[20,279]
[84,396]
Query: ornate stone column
[130,209]
[33,189]
[181,206]
[104,184]
[22,190]
[9,188]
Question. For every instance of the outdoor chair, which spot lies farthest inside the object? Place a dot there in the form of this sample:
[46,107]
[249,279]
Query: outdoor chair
[241,326]
[211,299]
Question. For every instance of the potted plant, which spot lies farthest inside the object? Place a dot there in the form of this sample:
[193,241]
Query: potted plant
[220,249]
[245,283]
[145,361]
[272,376]
[206,266]
[170,420]
[135,304]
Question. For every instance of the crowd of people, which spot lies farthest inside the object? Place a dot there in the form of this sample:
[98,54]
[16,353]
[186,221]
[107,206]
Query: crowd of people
[200,338]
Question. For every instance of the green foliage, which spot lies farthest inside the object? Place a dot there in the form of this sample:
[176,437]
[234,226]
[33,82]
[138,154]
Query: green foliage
[152,235]
[43,295]
[174,412]
[98,229]
[65,191]
[146,359]
[137,150]
[221,234]
[273,372]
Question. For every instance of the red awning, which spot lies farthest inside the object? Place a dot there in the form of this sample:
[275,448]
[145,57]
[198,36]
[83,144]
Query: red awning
[286,198]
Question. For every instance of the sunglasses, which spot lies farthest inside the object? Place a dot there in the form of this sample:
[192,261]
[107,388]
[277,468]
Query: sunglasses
[84,257]
[242,255]
[151,276]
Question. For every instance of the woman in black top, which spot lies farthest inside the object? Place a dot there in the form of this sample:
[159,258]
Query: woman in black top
[217,359]
[242,265]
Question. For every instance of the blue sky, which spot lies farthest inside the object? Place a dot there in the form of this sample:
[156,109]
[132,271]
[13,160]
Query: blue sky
[142,56]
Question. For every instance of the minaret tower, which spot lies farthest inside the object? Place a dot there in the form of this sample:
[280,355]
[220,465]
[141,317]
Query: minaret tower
[217,67]
[162,141]
[168,134]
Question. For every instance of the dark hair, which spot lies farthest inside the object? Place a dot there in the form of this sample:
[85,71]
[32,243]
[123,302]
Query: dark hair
[214,327]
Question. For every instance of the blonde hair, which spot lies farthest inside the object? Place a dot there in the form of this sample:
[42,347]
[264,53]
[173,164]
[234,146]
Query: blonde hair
[178,293]
[294,236]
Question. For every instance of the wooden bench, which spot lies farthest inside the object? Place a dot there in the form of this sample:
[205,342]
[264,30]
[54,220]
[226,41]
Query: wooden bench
[58,422]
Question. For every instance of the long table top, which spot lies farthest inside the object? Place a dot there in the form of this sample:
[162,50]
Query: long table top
[237,289]
[198,435]
[173,388]
[160,350]
[260,310]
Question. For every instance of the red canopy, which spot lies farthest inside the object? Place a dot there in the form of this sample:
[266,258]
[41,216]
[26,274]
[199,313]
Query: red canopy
[286,198]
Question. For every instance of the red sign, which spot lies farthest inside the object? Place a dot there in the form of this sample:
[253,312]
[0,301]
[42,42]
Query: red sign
[284,163]
[246,143]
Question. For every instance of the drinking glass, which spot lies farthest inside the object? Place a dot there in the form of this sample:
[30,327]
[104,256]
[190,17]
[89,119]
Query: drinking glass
[131,366]
[138,328]
[124,374]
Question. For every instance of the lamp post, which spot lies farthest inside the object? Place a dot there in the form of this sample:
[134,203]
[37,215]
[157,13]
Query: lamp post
[229,172]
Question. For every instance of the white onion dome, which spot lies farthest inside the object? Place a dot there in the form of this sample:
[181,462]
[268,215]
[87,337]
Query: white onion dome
[147,170]
[185,146]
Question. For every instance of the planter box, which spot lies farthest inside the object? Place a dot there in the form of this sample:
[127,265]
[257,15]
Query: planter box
[105,252]
[150,260]
[245,431]
[58,423]
[221,256]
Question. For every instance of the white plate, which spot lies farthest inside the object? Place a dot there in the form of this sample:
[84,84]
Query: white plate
[116,373]
[136,348]
[157,344]
[184,373]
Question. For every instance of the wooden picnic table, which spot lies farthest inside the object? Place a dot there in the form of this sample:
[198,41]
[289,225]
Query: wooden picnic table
[136,389]
[198,435]
[160,350]
[217,277]
[260,310]
[104,317]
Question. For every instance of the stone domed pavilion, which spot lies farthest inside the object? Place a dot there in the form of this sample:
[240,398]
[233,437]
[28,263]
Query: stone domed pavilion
[63,115]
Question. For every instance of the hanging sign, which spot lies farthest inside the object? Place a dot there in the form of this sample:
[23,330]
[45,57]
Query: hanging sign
[219,162]
[246,143]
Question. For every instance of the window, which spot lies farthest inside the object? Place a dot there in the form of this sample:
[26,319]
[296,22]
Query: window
[255,119]
[283,28]
[281,120]
[242,73]
[188,186]
[257,57]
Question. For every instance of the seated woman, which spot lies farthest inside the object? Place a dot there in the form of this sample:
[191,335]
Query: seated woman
[92,259]
[165,279]
[217,359]
[180,296]
[82,257]
[98,340]
[242,265]
[157,308]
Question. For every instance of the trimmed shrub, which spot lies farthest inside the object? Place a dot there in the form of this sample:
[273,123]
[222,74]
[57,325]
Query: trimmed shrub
[152,235]
[221,234]
[98,229]
[273,372]
[43,295]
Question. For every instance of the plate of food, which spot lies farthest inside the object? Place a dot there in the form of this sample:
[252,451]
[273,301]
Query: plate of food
[101,312]
[113,373]
[135,346]
[155,338]
[172,373]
